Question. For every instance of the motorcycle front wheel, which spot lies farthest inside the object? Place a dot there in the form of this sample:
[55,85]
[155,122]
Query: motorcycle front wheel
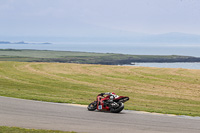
[92,106]
[118,109]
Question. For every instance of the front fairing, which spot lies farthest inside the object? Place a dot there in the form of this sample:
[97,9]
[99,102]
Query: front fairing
[101,103]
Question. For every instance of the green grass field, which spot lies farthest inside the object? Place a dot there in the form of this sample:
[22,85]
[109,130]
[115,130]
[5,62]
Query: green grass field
[86,58]
[4,129]
[162,90]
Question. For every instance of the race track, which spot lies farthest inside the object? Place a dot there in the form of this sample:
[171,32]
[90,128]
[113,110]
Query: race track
[56,116]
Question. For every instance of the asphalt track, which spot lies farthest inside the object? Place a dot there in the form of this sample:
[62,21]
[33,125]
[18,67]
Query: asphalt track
[56,116]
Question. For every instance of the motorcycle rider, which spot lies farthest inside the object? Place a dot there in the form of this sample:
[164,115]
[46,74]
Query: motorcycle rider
[112,95]
[110,102]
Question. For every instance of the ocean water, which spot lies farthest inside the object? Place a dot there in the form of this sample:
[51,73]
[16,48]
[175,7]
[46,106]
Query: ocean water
[185,65]
[134,49]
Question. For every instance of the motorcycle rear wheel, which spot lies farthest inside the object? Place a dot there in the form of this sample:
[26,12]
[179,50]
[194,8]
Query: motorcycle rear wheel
[92,106]
[119,109]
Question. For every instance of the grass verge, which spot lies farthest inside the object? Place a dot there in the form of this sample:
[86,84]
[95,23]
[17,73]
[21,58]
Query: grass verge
[5,129]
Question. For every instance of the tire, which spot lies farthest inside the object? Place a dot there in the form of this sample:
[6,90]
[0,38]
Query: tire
[92,106]
[119,109]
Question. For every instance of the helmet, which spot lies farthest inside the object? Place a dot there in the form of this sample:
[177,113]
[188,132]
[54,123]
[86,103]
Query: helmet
[111,97]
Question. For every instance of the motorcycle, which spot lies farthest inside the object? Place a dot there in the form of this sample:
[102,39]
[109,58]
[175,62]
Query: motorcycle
[104,103]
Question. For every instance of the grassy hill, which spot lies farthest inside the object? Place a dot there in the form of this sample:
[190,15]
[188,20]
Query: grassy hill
[86,58]
[174,91]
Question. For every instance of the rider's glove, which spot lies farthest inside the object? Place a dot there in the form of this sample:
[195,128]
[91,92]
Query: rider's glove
[102,94]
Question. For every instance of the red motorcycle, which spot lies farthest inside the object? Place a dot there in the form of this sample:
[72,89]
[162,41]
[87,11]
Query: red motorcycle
[106,103]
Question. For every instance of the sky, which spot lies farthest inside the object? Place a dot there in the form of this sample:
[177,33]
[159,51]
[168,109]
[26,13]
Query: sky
[77,18]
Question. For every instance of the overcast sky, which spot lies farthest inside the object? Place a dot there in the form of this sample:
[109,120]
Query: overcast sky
[98,17]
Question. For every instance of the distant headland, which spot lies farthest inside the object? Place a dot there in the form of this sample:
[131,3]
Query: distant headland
[22,42]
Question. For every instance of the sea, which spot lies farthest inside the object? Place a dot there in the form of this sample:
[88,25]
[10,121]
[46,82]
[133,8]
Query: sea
[121,48]
[185,65]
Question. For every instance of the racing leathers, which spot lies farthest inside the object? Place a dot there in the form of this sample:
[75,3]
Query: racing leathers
[112,95]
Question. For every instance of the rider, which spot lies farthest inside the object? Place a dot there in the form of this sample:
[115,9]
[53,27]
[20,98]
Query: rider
[112,95]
